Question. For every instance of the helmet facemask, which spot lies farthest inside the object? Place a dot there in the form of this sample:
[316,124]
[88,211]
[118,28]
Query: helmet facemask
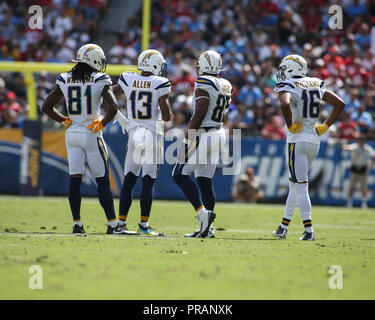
[103,65]
[198,69]
[281,73]
[163,69]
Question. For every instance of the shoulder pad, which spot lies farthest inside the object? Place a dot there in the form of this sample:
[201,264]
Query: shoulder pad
[122,79]
[206,81]
[226,86]
[61,78]
[164,84]
[283,84]
[102,76]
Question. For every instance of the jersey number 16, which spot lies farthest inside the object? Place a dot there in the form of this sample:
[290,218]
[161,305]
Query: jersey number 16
[311,103]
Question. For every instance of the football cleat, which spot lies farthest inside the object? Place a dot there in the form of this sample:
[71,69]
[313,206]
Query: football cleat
[147,231]
[205,219]
[197,233]
[280,232]
[308,236]
[120,230]
[78,230]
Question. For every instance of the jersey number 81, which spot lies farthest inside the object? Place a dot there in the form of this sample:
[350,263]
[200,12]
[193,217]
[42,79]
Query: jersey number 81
[75,100]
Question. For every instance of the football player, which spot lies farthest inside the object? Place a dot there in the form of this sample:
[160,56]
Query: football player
[147,109]
[300,98]
[211,100]
[84,88]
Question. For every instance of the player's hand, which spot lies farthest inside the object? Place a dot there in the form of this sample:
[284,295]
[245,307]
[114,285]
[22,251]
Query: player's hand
[295,127]
[123,121]
[66,123]
[95,126]
[321,128]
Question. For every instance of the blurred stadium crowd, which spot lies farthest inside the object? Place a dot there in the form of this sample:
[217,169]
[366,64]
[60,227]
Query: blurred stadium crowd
[251,35]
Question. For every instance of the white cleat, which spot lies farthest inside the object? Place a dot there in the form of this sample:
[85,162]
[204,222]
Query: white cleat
[308,236]
[205,219]
[197,233]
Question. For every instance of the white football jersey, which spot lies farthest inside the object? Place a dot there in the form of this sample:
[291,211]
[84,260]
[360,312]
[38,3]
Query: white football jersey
[83,100]
[220,92]
[142,95]
[307,94]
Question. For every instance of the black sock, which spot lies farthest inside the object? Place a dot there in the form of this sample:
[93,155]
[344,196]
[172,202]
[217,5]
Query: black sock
[147,196]
[190,189]
[285,222]
[75,197]
[105,197]
[126,196]
[207,192]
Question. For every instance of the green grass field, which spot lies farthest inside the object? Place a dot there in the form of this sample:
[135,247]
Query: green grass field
[243,262]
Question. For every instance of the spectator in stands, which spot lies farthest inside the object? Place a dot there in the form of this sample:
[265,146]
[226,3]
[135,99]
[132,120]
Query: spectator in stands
[274,130]
[10,111]
[248,188]
[251,36]
[184,84]
[347,128]
[242,118]
[363,118]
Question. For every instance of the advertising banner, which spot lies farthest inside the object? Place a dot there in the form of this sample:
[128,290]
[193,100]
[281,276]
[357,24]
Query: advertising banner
[329,176]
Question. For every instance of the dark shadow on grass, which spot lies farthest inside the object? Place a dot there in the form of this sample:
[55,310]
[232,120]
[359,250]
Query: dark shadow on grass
[35,232]
[248,239]
[86,235]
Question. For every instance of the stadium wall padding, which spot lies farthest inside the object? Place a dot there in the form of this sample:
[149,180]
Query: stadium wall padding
[329,175]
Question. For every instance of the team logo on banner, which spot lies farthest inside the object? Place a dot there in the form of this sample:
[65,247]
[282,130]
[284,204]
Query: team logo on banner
[30,158]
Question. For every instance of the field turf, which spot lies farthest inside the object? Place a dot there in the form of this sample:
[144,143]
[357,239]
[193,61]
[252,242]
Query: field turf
[243,262]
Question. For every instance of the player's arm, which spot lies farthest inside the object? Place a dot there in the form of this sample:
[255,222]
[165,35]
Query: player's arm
[165,108]
[110,102]
[120,117]
[202,101]
[117,90]
[49,104]
[285,100]
[338,105]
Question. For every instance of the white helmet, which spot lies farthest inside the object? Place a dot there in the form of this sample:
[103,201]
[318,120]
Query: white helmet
[92,55]
[152,61]
[209,62]
[290,66]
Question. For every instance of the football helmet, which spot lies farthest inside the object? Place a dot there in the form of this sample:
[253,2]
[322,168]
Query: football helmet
[209,62]
[93,55]
[152,61]
[290,66]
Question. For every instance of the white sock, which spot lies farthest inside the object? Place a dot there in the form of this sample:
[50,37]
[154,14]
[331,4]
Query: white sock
[113,223]
[78,223]
[304,203]
[201,209]
[291,201]
[144,224]
[122,223]
[303,200]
